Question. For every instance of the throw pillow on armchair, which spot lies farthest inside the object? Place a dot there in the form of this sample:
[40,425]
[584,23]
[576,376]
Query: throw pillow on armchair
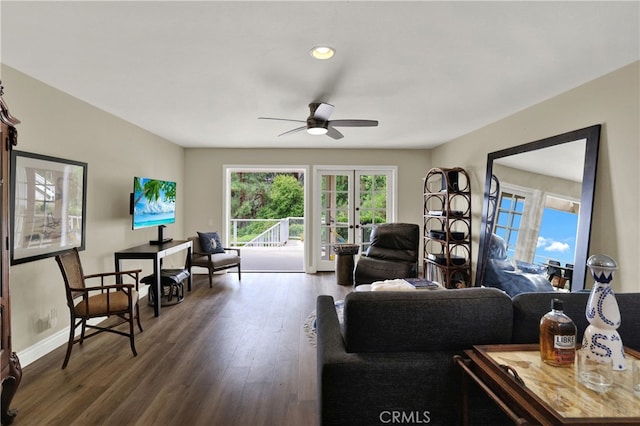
[210,242]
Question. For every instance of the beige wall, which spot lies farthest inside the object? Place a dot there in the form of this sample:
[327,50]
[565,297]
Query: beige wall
[613,101]
[55,124]
[204,175]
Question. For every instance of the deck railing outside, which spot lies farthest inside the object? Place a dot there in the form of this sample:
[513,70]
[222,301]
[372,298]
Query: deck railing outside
[265,232]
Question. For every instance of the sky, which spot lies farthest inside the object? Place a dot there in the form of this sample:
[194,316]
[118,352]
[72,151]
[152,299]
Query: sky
[557,237]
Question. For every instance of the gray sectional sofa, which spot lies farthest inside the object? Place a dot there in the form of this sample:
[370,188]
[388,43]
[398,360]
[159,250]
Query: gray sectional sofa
[391,360]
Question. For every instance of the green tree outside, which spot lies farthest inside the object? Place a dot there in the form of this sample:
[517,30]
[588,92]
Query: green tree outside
[266,195]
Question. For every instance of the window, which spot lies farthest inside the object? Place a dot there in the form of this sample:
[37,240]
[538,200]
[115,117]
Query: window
[558,229]
[510,210]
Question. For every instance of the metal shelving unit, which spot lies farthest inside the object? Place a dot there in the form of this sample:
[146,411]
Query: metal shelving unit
[447,227]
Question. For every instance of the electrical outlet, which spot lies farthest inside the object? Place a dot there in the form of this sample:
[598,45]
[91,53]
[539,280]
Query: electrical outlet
[53,317]
[41,325]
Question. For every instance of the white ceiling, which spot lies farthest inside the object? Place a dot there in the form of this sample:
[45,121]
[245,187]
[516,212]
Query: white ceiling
[565,161]
[200,73]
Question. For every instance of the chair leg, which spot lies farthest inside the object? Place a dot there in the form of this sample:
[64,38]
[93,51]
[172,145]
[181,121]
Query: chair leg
[138,317]
[239,276]
[210,278]
[83,330]
[133,345]
[72,329]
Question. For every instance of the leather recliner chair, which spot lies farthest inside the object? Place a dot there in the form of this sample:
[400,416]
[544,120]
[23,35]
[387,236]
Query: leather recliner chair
[393,253]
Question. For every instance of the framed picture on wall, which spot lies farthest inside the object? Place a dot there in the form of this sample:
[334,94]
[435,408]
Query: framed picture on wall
[48,206]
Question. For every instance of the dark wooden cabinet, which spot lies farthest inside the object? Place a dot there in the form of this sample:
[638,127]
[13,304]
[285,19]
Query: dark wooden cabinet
[11,371]
[447,227]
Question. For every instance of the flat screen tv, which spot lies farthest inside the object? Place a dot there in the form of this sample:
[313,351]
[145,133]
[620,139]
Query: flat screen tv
[154,202]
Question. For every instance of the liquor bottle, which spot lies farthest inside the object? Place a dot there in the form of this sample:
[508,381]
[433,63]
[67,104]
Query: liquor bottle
[557,336]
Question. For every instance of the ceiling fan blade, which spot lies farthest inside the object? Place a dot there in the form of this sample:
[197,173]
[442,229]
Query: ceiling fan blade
[322,111]
[281,119]
[296,130]
[334,133]
[354,123]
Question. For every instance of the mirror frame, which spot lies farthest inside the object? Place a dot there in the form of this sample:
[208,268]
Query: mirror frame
[583,235]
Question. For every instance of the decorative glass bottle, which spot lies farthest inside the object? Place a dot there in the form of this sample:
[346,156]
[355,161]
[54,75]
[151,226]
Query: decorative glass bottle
[601,338]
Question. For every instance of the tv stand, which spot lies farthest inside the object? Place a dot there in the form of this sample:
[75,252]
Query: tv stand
[162,237]
[155,253]
[160,242]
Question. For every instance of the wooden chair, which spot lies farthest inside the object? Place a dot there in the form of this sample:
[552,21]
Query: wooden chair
[214,262]
[104,300]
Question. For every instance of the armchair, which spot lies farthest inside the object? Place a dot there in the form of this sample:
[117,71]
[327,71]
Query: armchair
[393,253]
[102,300]
[224,258]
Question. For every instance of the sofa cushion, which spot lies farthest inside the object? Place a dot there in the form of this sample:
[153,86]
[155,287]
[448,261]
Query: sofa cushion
[210,242]
[396,236]
[220,260]
[395,242]
[497,248]
[503,265]
[528,309]
[395,255]
[426,320]
[377,269]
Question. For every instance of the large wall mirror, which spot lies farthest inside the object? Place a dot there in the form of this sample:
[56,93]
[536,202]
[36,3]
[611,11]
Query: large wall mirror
[536,216]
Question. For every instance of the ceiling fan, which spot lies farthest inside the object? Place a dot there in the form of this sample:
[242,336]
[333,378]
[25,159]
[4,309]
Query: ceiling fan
[318,122]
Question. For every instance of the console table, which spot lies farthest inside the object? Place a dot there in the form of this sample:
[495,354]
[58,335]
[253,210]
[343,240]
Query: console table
[156,252]
[532,392]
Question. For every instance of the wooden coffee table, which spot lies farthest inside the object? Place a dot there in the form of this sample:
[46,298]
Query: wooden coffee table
[532,392]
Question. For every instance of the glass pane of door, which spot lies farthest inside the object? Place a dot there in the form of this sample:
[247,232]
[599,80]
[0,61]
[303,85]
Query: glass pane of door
[373,194]
[350,203]
[336,214]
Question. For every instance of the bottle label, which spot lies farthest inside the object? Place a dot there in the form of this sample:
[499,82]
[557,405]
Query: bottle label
[564,342]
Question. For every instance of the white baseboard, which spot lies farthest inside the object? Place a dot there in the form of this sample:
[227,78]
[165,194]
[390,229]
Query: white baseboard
[48,344]
[43,347]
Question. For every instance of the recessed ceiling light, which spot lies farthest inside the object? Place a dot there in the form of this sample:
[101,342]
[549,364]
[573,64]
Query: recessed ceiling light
[322,52]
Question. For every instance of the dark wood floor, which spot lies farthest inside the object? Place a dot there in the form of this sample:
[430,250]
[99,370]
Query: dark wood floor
[235,354]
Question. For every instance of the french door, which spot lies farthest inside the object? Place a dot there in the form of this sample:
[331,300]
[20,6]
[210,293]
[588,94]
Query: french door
[349,202]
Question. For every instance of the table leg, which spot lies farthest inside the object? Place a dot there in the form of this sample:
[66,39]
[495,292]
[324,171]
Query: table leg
[188,266]
[157,268]
[468,374]
[117,264]
[464,391]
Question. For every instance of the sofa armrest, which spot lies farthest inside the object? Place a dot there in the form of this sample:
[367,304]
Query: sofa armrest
[331,347]
[370,388]
[355,389]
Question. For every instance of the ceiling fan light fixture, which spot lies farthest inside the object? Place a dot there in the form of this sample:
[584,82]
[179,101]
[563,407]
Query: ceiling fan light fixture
[322,52]
[317,130]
